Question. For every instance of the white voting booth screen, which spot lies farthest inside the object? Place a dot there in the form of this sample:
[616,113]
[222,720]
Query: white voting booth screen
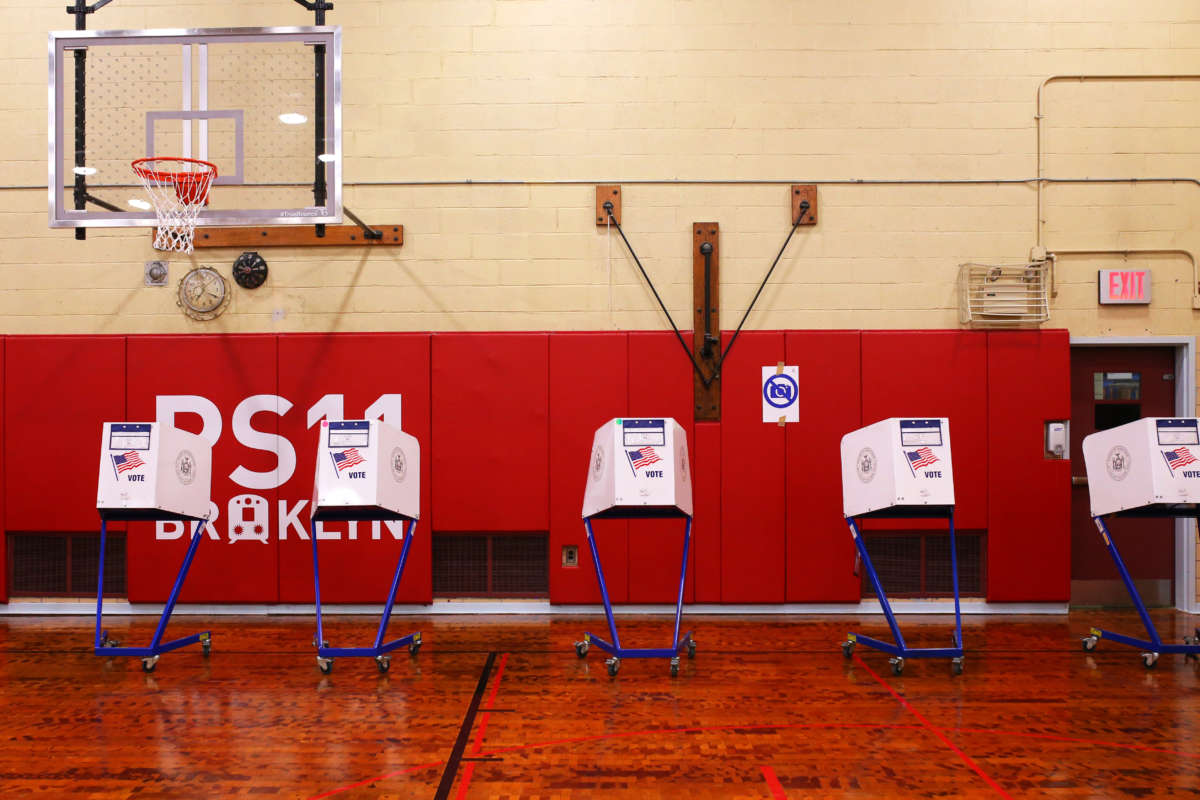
[639,468]
[898,466]
[1150,462]
[366,470]
[153,471]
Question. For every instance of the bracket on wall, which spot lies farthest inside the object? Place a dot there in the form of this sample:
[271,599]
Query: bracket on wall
[604,194]
[706,322]
[800,193]
[299,236]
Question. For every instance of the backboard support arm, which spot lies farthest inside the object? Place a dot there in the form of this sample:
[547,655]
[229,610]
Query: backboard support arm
[80,10]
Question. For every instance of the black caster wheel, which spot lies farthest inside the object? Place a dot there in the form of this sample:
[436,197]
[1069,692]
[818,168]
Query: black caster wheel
[414,646]
[1149,660]
[581,649]
[613,664]
[675,667]
[383,662]
[205,644]
[148,664]
[848,649]
[1089,643]
[956,665]
[325,665]
[107,642]
[897,665]
[692,648]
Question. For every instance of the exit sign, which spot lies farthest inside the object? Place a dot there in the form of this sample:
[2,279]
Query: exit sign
[1124,286]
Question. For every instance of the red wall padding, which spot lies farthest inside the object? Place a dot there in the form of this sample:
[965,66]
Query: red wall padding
[820,551]
[1029,518]
[505,422]
[660,385]
[3,534]
[935,374]
[706,506]
[59,390]
[490,432]
[362,368]
[588,386]
[753,463]
[226,370]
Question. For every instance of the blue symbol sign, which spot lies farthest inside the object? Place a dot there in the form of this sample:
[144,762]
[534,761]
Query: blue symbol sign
[780,391]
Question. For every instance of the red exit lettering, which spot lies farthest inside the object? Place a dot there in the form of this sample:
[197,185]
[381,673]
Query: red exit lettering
[1126,286]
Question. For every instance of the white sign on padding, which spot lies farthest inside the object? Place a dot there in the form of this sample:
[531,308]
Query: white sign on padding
[781,394]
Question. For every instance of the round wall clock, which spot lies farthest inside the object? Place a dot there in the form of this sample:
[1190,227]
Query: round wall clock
[250,270]
[203,293]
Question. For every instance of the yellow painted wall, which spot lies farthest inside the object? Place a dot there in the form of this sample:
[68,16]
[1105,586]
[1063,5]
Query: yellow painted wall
[547,91]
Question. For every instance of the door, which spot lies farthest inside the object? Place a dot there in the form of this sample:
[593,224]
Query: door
[1109,387]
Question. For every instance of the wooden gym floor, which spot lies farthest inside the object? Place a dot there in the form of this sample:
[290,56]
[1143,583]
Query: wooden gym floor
[501,707]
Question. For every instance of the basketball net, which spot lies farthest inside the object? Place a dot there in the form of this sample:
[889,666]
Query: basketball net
[178,188]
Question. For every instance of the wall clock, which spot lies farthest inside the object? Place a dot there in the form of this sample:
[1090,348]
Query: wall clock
[203,293]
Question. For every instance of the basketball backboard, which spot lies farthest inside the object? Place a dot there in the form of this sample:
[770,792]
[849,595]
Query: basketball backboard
[262,104]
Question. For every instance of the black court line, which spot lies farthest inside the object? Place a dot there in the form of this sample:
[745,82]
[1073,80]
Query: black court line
[464,732]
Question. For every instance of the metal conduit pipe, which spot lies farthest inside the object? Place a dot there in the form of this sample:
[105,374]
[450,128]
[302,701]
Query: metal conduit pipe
[1082,78]
[1052,257]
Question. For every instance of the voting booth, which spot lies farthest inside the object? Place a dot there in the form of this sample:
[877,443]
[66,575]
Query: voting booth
[1146,468]
[638,469]
[900,468]
[366,470]
[151,471]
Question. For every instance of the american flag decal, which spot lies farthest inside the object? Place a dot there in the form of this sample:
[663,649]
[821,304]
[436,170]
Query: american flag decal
[127,461]
[642,457]
[921,457]
[1179,457]
[347,459]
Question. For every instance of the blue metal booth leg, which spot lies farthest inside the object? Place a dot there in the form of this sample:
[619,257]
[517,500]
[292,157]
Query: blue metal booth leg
[1154,646]
[614,649]
[105,646]
[900,651]
[380,649]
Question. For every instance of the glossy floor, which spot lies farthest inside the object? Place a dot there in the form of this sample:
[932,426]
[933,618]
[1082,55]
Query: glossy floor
[501,707]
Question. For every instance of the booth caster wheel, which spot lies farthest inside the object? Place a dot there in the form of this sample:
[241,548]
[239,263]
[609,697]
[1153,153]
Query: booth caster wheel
[692,648]
[1089,643]
[1149,660]
[149,663]
[848,649]
[107,642]
[581,649]
[675,667]
[383,662]
[1191,640]
[613,665]
[956,665]
[897,665]
[414,647]
[205,644]
[325,665]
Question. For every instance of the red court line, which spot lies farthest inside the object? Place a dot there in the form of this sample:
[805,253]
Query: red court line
[928,726]
[469,770]
[385,776]
[773,783]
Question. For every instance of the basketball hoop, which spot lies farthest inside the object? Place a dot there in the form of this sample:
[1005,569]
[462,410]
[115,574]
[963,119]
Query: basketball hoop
[178,187]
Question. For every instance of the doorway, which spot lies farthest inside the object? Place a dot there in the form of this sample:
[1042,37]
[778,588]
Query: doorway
[1111,386]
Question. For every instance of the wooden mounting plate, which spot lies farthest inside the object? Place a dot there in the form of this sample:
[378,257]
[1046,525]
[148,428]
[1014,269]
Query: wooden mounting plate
[800,193]
[296,236]
[604,193]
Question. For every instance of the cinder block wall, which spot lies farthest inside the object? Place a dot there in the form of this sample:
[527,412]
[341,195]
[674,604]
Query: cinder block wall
[659,95]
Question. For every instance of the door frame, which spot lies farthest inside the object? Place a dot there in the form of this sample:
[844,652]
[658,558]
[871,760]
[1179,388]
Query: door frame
[1185,406]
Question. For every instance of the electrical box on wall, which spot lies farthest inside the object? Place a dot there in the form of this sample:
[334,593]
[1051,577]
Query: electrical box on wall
[366,469]
[639,468]
[153,471]
[1150,462]
[896,466]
